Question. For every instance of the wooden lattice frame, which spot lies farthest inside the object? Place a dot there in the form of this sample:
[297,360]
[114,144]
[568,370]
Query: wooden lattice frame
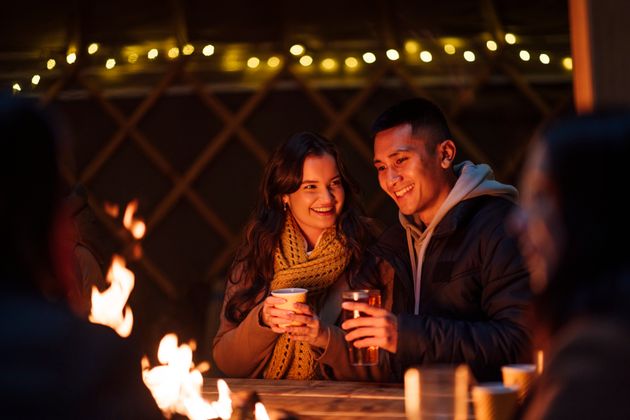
[234,127]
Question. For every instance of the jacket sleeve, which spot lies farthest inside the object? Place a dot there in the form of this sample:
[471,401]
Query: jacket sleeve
[334,359]
[501,337]
[242,350]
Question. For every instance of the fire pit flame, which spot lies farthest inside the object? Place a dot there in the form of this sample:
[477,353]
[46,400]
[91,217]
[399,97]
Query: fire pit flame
[176,384]
[136,226]
[109,307]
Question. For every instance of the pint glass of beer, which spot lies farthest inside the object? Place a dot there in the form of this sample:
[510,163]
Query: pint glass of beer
[366,356]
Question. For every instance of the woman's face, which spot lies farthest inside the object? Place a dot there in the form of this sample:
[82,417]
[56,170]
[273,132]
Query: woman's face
[538,223]
[318,201]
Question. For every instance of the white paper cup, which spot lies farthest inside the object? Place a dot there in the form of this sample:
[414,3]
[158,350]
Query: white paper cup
[292,295]
[494,401]
[520,376]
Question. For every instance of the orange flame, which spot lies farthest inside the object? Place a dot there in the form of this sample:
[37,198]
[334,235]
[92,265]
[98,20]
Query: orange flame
[134,225]
[111,209]
[176,384]
[108,306]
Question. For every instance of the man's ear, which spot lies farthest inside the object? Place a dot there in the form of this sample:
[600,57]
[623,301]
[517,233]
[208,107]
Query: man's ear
[446,152]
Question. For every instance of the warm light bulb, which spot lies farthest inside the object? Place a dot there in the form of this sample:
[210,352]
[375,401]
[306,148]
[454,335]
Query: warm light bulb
[51,63]
[510,38]
[35,79]
[369,57]
[412,46]
[208,50]
[426,56]
[16,87]
[449,49]
[544,58]
[253,62]
[567,63]
[351,62]
[110,63]
[273,61]
[188,49]
[469,56]
[524,54]
[491,45]
[328,64]
[93,48]
[392,54]
[173,52]
[71,58]
[306,60]
[133,57]
[297,49]
[152,54]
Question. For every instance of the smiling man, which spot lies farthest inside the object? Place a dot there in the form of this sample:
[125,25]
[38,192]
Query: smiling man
[469,295]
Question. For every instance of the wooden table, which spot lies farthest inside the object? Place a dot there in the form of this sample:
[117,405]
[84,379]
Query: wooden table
[322,399]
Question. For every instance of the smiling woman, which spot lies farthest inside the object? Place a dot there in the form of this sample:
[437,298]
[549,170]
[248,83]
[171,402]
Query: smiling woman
[319,199]
[308,231]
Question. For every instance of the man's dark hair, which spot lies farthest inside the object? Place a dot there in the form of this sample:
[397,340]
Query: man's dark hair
[425,117]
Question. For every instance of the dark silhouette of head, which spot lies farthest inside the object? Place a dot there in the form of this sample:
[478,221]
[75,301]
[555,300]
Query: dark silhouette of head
[30,208]
[577,200]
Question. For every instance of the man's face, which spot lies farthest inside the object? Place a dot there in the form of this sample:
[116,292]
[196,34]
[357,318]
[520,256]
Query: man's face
[414,177]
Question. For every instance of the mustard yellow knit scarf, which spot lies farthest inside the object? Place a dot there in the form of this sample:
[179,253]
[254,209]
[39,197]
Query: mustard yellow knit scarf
[316,272]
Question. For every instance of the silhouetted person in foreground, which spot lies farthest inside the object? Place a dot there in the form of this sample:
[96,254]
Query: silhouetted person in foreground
[53,364]
[573,229]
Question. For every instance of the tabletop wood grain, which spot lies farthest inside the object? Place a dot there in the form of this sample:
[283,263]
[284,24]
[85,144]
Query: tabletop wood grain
[321,399]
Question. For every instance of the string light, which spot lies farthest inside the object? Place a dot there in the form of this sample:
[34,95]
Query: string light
[16,87]
[273,61]
[412,46]
[450,46]
[306,60]
[297,49]
[392,54]
[188,49]
[328,64]
[208,50]
[524,54]
[469,56]
[253,62]
[351,62]
[567,63]
[426,56]
[369,57]
[93,48]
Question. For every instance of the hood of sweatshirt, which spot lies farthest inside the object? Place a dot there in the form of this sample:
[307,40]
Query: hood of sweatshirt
[472,181]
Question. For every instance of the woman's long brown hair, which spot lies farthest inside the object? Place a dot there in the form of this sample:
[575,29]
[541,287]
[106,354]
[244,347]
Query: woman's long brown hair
[253,264]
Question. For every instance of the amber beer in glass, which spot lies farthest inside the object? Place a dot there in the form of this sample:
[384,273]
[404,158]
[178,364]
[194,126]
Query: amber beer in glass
[366,356]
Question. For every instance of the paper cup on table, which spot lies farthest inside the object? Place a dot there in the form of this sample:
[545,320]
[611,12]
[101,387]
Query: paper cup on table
[292,295]
[494,401]
[520,376]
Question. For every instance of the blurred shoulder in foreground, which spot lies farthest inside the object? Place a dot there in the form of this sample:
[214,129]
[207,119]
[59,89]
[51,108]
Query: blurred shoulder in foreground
[54,364]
